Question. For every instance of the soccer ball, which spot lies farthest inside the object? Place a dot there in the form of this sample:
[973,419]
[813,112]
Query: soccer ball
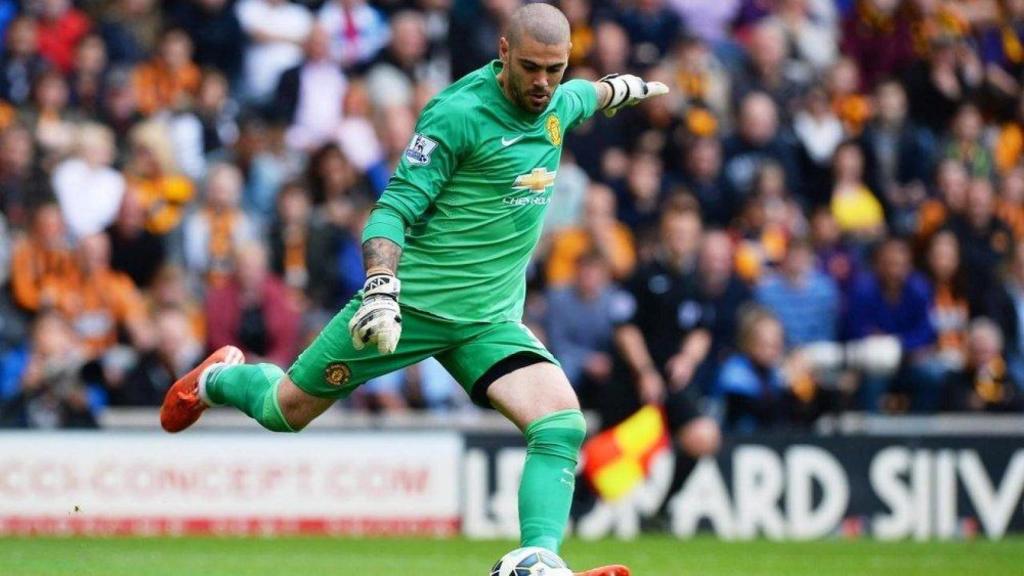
[532,561]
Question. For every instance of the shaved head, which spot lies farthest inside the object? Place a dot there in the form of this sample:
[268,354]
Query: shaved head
[541,22]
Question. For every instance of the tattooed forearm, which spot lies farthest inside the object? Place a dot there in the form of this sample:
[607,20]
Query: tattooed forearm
[381,253]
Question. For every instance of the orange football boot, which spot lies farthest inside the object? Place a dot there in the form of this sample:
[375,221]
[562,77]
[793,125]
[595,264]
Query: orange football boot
[613,570]
[182,404]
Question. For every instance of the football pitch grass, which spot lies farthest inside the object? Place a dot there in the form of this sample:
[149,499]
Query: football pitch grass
[648,556]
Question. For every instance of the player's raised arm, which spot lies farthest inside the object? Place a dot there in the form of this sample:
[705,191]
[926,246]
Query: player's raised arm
[617,91]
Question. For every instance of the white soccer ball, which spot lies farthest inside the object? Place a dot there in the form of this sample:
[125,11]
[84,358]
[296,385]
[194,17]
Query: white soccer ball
[531,561]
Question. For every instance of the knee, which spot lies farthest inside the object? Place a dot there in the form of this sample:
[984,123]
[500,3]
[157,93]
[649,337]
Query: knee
[699,437]
[559,433]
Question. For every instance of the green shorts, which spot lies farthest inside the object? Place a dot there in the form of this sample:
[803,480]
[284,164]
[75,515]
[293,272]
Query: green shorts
[332,368]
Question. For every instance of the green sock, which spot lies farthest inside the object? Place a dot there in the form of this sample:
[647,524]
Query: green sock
[252,388]
[549,477]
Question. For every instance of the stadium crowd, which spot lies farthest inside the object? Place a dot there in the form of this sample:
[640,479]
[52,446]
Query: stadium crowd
[825,214]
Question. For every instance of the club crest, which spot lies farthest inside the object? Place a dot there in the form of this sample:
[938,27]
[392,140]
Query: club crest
[337,373]
[554,130]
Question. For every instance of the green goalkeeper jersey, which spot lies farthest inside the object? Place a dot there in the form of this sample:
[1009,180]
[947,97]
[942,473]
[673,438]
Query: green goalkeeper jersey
[470,193]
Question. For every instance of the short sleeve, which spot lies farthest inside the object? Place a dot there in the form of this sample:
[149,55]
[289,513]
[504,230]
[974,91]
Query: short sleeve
[428,162]
[580,101]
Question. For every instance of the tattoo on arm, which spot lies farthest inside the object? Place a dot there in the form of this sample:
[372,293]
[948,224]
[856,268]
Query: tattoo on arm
[381,253]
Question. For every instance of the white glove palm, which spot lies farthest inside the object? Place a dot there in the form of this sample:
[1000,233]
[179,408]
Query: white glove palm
[378,319]
[628,89]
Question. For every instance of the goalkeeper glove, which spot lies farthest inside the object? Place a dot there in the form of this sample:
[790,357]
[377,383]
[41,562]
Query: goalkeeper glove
[378,319]
[627,90]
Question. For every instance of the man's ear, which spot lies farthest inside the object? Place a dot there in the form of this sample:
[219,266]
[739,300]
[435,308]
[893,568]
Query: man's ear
[503,50]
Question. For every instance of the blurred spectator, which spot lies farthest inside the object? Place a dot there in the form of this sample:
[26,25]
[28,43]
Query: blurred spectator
[403,64]
[1009,144]
[950,310]
[170,290]
[769,218]
[652,28]
[611,48]
[89,77]
[578,325]
[898,155]
[340,274]
[1001,44]
[894,300]
[61,26]
[810,31]
[702,177]
[836,258]
[1010,206]
[42,384]
[756,141]
[877,34]
[43,269]
[334,181]
[474,31]
[51,121]
[642,193]
[277,30]
[769,71]
[170,79]
[965,142]
[819,132]
[310,96]
[88,189]
[252,311]
[578,13]
[215,232]
[135,250]
[20,62]
[357,31]
[216,33]
[952,182]
[207,128]
[722,294]
[130,29]
[176,353]
[20,182]
[657,359]
[753,387]
[599,231]
[293,237]
[700,78]
[856,209]
[805,301]
[120,107]
[104,302]
[984,384]
[985,240]
[153,172]
[851,104]
[939,85]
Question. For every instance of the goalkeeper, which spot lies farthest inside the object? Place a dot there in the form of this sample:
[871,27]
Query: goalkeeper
[445,252]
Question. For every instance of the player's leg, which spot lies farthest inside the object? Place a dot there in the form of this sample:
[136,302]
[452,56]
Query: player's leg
[505,367]
[328,370]
[539,399]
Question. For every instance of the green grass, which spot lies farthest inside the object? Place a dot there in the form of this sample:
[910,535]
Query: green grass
[649,556]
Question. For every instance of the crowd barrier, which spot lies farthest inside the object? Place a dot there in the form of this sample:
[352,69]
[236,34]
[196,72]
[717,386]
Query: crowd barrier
[857,477]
